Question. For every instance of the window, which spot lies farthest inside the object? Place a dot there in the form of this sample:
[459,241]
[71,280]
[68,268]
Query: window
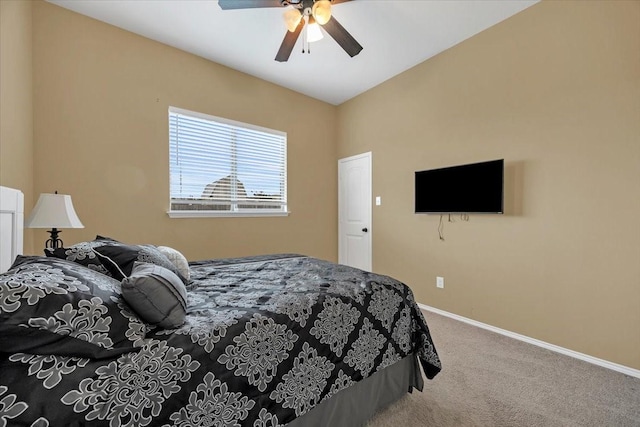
[220,167]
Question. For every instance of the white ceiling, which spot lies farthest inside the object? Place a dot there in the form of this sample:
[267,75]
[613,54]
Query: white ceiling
[395,34]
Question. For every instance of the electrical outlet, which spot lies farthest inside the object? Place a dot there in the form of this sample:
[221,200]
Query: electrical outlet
[440,282]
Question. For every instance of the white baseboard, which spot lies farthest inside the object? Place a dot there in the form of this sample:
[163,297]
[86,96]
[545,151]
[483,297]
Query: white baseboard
[585,357]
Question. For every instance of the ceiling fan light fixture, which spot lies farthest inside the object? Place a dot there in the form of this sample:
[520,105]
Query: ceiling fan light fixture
[292,18]
[313,31]
[321,11]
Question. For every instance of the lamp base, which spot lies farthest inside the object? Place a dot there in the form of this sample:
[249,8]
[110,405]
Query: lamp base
[54,242]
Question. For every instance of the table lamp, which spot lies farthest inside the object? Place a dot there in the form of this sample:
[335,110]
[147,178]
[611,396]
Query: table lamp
[54,211]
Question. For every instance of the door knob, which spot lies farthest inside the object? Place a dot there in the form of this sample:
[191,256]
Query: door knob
[364,230]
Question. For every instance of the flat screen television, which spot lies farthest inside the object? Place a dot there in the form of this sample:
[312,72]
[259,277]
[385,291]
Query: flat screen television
[472,188]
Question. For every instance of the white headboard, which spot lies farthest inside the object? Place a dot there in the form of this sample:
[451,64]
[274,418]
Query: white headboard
[11,222]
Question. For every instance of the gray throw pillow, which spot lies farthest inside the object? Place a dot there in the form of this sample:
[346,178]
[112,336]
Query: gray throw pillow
[156,294]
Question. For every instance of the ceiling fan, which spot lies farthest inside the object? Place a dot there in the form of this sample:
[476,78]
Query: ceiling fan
[304,12]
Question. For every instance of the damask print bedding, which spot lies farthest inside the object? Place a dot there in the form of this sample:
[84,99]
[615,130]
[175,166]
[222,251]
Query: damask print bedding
[266,340]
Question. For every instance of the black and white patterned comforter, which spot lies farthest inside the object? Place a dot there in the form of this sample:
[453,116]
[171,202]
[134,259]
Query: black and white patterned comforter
[265,340]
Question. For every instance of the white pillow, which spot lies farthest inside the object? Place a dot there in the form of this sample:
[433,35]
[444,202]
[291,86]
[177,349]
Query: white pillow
[177,259]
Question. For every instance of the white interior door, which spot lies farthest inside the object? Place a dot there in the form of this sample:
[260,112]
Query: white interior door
[354,211]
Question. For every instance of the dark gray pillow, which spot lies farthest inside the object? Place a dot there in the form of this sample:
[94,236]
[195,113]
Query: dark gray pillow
[81,253]
[58,307]
[156,294]
[118,258]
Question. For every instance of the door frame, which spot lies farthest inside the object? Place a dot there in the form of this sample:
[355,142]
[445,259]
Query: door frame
[368,155]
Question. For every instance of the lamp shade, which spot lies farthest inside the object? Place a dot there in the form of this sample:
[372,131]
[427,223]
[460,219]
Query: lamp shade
[292,18]
[54,211]
[313,31]
[322,11]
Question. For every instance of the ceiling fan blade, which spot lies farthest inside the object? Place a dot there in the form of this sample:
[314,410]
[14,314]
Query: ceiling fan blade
[247,4]
[289,42]
[342,37]
[338,1]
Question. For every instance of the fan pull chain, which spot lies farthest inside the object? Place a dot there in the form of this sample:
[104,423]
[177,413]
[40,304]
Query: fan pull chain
[304,37]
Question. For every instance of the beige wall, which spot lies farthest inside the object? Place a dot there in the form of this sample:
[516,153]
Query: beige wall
[16,108]
[555,91]
[101,132]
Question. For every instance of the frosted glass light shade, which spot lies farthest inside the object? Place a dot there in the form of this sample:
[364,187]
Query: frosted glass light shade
[322,11]
[313,32]
[292,18]
[54,211]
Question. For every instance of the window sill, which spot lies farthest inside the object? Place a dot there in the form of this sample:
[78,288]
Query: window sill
[223,214]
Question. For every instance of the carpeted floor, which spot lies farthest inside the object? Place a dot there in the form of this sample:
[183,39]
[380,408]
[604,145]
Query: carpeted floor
[492,380]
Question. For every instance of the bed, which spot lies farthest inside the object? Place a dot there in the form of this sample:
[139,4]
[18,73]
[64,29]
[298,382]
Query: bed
[267,340]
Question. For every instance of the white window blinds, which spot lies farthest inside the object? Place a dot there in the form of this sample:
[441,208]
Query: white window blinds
[225,166]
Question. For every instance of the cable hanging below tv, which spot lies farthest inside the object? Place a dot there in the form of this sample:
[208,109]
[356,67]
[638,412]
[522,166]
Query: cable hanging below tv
[475,188]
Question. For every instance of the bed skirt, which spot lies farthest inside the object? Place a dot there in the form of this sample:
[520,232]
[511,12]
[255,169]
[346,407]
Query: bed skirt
[357,404]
